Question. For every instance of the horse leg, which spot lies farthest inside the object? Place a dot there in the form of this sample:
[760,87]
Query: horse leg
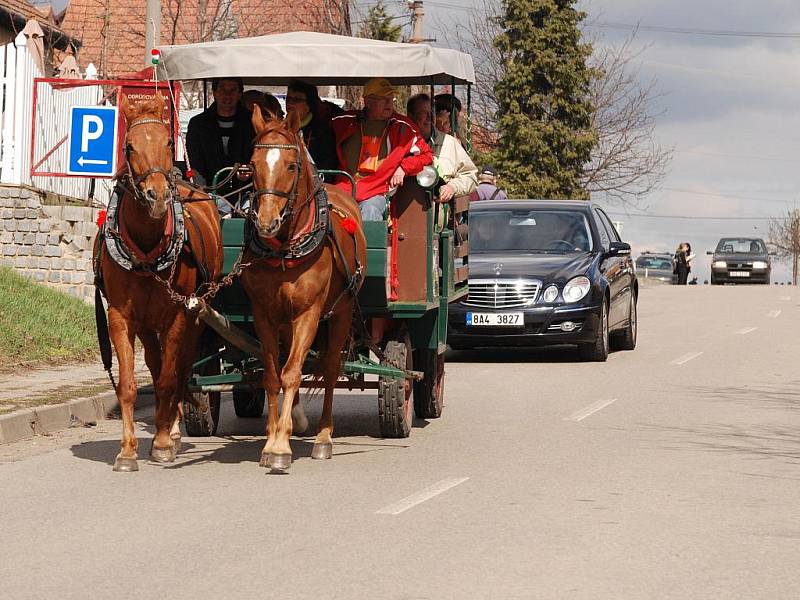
[338,331]
[272,386]
[304,329]
[122,337]
[170,387]
[299,418]
[152,358]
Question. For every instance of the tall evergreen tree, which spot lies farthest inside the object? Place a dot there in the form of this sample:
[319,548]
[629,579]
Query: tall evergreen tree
[379,25]
[544,107]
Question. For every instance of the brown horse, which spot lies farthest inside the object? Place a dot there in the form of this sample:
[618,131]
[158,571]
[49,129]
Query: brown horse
[291,296]
[142,241]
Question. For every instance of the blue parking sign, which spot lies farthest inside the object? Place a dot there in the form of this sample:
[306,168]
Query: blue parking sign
[92,141]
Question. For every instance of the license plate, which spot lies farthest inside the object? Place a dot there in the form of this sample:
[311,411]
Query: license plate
[505,319]
[740,273]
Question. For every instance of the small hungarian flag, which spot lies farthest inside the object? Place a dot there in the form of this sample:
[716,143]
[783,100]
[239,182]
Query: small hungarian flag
[155,56]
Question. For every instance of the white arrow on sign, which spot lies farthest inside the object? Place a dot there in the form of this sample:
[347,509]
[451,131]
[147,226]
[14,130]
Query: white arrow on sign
[88,161]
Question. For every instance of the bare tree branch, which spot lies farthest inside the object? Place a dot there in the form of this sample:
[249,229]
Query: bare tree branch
[784,235]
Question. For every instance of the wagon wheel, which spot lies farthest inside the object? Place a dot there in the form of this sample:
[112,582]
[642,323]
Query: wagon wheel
[248,403]
[429,393]
[396,396]
[204,423]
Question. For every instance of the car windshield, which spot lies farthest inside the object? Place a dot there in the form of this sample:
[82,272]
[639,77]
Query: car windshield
[654,262]
[741,246]
[529,231]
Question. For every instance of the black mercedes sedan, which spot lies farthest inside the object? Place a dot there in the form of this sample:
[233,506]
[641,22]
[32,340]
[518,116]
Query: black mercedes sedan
[740,260]
[546,273]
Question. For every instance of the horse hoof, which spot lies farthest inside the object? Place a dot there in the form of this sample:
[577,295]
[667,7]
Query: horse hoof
[322,450]
[163,455]
[177,442]
[280,463]
[125,465]
[266,460]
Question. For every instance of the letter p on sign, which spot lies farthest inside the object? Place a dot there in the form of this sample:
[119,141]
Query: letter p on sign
[90,133]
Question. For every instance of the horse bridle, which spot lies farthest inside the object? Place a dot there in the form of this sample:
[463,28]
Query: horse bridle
[290,196]
[135,190]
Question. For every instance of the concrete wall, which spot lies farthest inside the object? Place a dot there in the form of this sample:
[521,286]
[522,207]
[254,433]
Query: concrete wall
[51,244]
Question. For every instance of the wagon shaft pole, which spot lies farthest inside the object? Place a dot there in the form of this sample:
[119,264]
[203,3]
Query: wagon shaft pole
[229,332]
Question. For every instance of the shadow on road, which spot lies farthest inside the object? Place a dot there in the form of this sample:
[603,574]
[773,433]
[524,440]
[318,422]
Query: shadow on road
[552,354]
[241,440]
[777,395]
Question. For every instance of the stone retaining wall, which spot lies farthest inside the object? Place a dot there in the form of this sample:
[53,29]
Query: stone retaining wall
[51,244]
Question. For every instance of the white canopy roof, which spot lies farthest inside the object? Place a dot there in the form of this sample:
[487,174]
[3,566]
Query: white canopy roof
[316,58]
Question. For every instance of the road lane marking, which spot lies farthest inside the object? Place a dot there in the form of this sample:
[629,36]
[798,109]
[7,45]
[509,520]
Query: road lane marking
[421,496]
[746,330]
[773,314]
[685,358]
[786,298]
[589,410]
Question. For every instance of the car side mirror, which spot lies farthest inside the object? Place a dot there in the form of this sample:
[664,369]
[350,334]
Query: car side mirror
[710,252]
[619,249]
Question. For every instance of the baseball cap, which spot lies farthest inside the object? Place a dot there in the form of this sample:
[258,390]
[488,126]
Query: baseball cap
[379,87]
[489,170]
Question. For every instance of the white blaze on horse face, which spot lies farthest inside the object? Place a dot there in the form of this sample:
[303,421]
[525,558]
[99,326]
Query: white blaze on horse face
[272,157]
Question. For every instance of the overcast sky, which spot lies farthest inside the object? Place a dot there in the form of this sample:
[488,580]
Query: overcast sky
[730,108]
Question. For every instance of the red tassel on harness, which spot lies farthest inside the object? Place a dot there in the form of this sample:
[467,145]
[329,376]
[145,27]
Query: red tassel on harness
[349,225]
[101,217]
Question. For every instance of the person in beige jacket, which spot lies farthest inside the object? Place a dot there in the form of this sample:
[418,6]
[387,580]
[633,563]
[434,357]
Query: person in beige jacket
[452,162]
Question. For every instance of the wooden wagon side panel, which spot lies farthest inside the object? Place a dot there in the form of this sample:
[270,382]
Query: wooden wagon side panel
[410,219]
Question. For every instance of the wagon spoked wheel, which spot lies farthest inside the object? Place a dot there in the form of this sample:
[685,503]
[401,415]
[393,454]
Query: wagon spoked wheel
[396,396]
[248,403]
[429,393]
[204,423]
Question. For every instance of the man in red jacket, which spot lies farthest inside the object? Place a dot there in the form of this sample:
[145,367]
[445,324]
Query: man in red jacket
[378,147]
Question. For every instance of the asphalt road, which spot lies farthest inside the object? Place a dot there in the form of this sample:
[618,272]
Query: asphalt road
[668,472]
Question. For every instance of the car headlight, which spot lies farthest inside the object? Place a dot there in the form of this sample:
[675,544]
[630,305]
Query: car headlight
[720,264]
[427,177]
[576,288]
[759,264]
[550,294]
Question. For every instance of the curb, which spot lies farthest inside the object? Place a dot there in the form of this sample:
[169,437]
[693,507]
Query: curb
[44,420]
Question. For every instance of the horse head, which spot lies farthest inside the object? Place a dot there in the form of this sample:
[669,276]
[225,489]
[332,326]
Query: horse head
[148,153]
[277,165]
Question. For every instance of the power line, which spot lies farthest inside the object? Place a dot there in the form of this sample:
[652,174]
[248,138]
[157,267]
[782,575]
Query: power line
[695,192]
[743,156]
[693,31]
[693,218]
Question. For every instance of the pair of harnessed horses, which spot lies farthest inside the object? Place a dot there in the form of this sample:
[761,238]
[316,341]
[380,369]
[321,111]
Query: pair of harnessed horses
[288,300]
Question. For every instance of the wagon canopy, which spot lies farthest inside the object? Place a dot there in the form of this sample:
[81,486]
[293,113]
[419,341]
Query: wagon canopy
[318,58]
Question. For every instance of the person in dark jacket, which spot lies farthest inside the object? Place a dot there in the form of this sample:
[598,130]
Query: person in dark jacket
[221,136]
[318,136]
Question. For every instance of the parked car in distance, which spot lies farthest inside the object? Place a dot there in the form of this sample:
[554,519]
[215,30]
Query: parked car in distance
[545,273]
[656,266]
[740,260]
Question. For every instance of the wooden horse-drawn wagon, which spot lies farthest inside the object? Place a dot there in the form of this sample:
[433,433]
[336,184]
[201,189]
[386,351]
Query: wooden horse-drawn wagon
[417,257]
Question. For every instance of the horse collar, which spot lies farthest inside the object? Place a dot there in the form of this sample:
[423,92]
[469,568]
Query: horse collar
[303,244]
[124,251]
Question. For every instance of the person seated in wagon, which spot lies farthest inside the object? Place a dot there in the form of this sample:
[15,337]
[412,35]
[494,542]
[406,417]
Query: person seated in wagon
[378,147]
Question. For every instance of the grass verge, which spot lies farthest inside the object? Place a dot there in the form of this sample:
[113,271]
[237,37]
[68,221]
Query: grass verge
[41,325]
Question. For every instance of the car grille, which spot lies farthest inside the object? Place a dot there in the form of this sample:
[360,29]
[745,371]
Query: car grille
[491,293]
[740,266]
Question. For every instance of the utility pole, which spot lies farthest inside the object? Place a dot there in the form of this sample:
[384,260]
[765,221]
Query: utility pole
[152,29]
[417,14]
